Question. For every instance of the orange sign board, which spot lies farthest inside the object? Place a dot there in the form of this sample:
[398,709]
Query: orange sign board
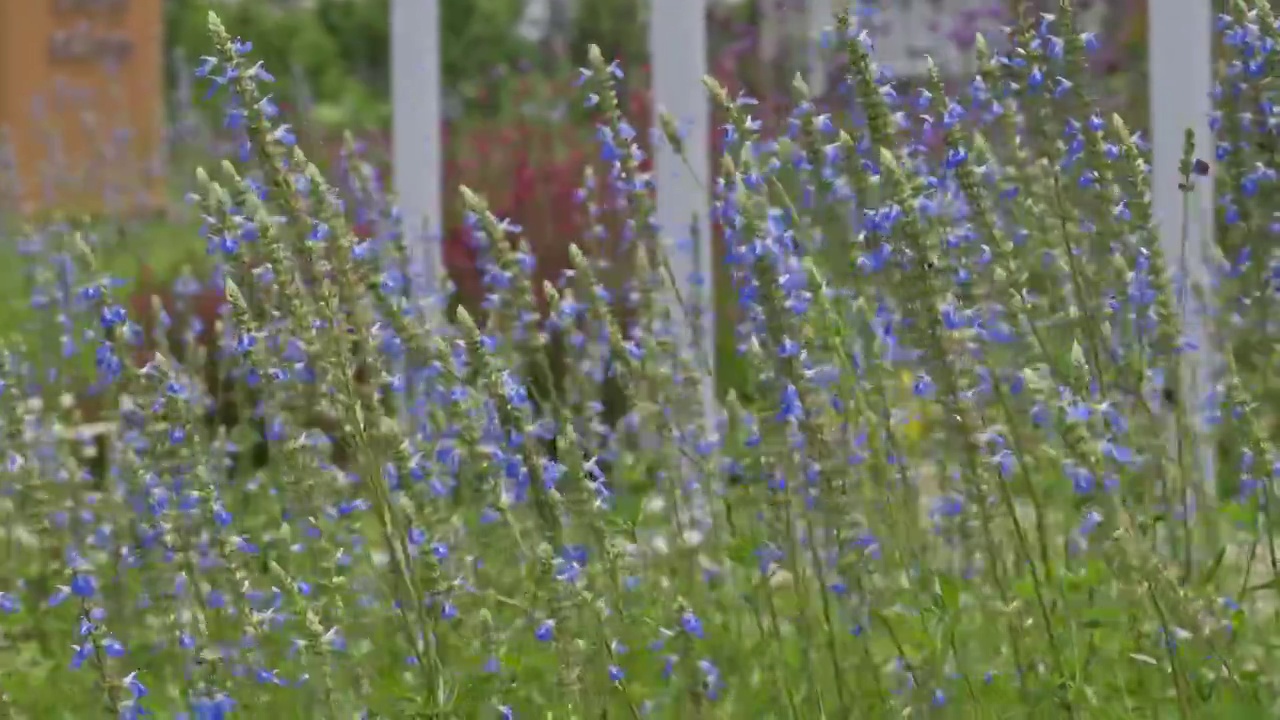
[82,104]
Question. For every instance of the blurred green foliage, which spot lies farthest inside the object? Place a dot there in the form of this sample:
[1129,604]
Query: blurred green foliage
[341,48]
[617,26]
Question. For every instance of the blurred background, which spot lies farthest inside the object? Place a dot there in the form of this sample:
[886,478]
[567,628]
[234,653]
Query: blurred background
[106,132]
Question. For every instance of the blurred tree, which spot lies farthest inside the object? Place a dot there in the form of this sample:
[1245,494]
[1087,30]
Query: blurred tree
[283,38]
[617,26]
[341,48]
[363,37]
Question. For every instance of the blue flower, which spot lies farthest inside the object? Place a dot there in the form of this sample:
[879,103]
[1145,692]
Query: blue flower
[84,585]
[691,624]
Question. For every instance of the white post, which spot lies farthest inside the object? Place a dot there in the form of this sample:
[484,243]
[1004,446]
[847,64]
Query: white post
[1180,55]
[678,57]
[415,137]
[821,15]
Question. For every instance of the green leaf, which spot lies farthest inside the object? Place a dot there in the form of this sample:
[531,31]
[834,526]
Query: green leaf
[948,592]
[1212,571]
[1077,355]
[1272,584]
[742,552]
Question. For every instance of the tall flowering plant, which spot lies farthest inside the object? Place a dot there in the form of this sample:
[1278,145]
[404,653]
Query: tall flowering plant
[962,486]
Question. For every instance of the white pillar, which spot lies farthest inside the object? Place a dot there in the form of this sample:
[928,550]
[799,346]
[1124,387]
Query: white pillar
[415,135]
[678,57]
[1180,55]
[821,16]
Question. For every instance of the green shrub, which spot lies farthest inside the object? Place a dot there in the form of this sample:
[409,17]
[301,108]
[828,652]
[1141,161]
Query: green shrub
[342,47]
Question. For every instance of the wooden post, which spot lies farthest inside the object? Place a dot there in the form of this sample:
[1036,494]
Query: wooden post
[87,80]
